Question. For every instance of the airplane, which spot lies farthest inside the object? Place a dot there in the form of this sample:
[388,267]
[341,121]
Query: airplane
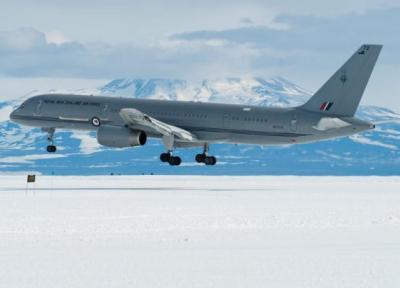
[123,122]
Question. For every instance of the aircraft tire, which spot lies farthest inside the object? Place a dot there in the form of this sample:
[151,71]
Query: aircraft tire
[200,158]
[165,157]
[210,160]
[175,161]
[214,160]
[51,148]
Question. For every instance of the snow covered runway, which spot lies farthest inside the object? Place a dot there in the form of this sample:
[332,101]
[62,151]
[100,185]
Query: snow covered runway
[195,231]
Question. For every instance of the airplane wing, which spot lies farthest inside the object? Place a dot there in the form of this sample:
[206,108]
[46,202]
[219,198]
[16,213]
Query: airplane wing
[134,118]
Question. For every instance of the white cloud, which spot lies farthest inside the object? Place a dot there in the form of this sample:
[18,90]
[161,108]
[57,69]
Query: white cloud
[327,8]
[23,39]
[102,60]
[249,44]
[56,37]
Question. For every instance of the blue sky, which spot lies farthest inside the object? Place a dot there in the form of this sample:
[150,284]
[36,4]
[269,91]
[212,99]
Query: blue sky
[74,44]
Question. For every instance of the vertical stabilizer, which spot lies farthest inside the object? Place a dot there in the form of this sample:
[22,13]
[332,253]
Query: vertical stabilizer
[342,93]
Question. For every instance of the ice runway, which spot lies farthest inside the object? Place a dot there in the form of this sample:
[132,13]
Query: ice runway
[195,231]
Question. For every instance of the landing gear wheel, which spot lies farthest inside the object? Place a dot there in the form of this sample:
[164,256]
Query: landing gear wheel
[51,148]
[175,161]
[165,157]
[200,158]
[204,158]
[213,160]
[210,160]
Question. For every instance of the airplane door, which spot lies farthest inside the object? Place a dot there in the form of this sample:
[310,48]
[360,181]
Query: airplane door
[39,106]
[293,123]
[225,120]
[104,111]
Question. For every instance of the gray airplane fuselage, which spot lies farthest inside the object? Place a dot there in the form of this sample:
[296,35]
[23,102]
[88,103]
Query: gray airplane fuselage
[209,122]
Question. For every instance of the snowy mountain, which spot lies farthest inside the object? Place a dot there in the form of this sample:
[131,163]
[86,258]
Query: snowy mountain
[373,152]
[256,91]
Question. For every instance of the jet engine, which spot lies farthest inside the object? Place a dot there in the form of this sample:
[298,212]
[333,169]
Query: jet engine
[120,137]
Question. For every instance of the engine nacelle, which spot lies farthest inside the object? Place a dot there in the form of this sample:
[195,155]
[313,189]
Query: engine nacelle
[120,137]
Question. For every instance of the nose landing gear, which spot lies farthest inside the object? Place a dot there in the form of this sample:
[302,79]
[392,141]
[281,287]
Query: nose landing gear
[51,148]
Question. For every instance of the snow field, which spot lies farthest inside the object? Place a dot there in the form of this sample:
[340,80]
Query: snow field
[200,231]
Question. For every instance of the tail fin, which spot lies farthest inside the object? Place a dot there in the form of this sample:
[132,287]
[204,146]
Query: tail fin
[341,94]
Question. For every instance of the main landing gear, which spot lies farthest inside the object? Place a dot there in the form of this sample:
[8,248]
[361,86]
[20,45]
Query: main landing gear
[208,160]
[176,161]
[204,158]
[172,160]
[168,141]
[51,148]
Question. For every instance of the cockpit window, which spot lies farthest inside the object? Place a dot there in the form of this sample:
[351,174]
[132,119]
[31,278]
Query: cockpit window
[22,106]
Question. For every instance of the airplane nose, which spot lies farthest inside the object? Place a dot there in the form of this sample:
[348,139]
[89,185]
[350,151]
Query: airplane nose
[18,113]
[14,114]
